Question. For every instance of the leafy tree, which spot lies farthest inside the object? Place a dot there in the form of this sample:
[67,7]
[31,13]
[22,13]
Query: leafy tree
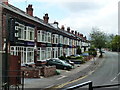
[115,44]
[92,51]
[98,39]
[109,41]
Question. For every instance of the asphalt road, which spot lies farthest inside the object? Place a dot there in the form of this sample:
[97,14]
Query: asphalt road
[107,73]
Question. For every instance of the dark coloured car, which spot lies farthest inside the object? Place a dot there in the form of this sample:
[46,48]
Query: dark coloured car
[60,64]
[69,61]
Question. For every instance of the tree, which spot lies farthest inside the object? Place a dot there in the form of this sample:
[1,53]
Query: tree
[110,37]
[115,43]
[98,39]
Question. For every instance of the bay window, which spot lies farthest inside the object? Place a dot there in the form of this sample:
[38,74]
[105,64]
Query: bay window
[20,28]
[27,53]
[30,54]
[41,36]
[41,54]
[24,32]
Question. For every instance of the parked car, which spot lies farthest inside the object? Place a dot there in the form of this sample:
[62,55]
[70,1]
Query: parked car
[69,61]
[60,64]
[41,63]
[85,54]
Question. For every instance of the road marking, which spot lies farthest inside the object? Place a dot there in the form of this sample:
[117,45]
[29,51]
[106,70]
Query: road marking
[49,86]
[115,77]
[61,77]
[64,84]
[69,82]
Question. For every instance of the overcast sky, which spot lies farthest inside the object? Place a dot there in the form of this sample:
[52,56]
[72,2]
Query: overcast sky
[79,15]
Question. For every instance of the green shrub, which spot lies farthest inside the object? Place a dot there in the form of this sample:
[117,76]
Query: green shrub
[69,57]
[62,58]
[92,51]
[79,57]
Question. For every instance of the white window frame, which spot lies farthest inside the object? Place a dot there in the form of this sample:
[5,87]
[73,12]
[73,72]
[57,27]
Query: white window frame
[55,50]
[29,59]
[25,32]
[48,52]
[30,30]
[55,38]
[42,54]
[14,50]
[48,37]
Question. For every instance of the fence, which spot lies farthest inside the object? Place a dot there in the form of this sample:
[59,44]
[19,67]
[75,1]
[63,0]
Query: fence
[13,80]
[91,87]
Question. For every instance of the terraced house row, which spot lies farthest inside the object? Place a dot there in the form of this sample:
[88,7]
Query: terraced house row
[35,39]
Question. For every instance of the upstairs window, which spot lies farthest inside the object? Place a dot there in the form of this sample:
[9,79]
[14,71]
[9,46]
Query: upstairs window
[24,32]
[48,37]
[55,38]
[41,36]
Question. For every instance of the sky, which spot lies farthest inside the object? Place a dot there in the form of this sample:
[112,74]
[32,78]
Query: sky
[79,15]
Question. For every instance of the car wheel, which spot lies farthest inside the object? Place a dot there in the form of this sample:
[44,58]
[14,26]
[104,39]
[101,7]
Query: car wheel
[65,68]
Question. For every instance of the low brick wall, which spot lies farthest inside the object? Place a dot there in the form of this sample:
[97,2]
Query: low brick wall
[49,71]
[37,72]
[30,72]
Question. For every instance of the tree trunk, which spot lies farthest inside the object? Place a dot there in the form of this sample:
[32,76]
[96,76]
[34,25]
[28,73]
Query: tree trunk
[101,55]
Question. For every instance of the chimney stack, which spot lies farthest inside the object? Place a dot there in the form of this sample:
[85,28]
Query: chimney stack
[72,32]
[29,10]
[46,18]
[68,29]
[75,32]
[5,2]
[81,35]
[62,27]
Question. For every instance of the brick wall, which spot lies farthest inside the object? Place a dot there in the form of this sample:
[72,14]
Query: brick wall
[37,72]
[49,71]
[30,72]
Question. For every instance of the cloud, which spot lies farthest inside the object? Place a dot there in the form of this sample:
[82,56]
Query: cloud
[103,16]
[80,15]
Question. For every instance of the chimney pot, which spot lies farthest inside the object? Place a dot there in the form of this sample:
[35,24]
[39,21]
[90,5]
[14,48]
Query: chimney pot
[68,29]
[62,27]
[75,32]
[81,35]
[29,10]
[72,32]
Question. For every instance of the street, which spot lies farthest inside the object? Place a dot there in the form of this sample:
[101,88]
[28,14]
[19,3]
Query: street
[106,74]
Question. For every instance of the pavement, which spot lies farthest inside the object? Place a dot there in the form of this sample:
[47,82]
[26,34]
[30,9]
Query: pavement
[79,71]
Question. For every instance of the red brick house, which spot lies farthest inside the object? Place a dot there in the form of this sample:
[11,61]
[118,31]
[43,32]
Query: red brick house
[28,39]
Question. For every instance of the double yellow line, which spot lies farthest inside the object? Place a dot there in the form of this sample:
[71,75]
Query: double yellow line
[64,84]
